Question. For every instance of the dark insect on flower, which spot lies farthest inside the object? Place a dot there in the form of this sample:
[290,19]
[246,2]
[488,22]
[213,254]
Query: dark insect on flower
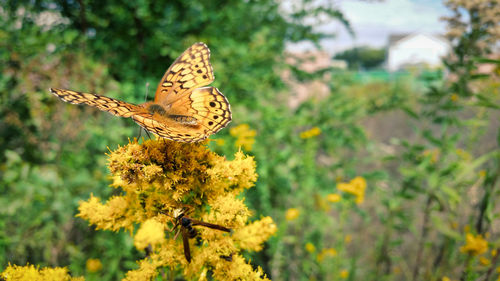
[227,257]
[188,231]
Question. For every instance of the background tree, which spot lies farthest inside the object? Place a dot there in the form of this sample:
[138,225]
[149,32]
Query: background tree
[362,57]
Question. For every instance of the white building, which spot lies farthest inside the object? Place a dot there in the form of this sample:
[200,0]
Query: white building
[416,49]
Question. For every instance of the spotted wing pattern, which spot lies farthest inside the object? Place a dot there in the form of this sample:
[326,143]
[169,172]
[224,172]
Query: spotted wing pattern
[113,106]
[181,111]
[208,111]
[191,70]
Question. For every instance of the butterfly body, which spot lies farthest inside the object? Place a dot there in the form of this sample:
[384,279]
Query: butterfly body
[183,110]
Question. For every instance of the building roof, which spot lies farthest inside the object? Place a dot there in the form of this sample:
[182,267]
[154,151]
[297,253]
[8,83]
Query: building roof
[394,38]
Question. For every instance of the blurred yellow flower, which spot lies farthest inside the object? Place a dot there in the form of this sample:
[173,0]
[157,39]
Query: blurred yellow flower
[467,228]
[329,252]
[474,245]
[310,247]
[220,142]
[484,261]
[151,233]
[348,239]
[454,97]
[314,131]
[292,214]
[494,252]
[482,173]
[93,265]
[463,154]
[344,274]
[355,187]
[333,197]
[35,273]
[445,278]
[433,153]
[245,137]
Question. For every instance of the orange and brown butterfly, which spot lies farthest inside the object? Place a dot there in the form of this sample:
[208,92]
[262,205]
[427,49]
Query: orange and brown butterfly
[183,110]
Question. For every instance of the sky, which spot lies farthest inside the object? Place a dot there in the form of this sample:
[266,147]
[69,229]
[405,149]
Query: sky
[374,21]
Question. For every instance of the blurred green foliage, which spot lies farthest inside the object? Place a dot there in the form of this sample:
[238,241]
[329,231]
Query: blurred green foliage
[426,144]
[362,57]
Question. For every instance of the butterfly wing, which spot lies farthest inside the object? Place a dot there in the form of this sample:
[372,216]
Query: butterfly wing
[192,69]
[113,106]
[181,110]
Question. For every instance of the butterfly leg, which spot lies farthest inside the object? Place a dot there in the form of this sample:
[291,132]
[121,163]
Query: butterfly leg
[149,136]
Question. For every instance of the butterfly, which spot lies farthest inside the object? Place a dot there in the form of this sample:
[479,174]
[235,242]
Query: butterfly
[183,110]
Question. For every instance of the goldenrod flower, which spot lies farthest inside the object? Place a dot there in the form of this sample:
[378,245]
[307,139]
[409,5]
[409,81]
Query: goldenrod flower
[355,187]
[464,155]
[329,252]
[466,228]
[348,239]
[484,261]
[474,245]
[151,233]
[32,273]
[333,197]
[245,137]
[94,265]
[344,274]
[310,247]
[482,173]
[494,252]
[314,131]
[338,178]
[220,142]
[292,214]
[160,176]
[433,153]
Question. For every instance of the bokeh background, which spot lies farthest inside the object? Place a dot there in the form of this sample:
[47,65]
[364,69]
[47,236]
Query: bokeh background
[372,169]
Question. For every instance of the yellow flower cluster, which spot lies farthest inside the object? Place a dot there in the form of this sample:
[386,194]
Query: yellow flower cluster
[245,137]
[150,233]
[314,131]
[159,177]
[325,253]
[32,273]
[292,214]
[355,187]
[454,97]
[464,155]
[310,247]
[474,245]
[434,154]
[333,197]
[94,265]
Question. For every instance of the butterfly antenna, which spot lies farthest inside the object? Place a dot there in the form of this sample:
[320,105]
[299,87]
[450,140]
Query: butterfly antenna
[145,100]
[149,136]
[147,90]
